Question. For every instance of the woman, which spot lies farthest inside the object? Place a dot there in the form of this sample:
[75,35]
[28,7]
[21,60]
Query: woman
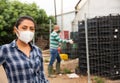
[22,61]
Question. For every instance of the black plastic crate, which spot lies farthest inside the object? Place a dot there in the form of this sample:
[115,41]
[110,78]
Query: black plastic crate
[104,45]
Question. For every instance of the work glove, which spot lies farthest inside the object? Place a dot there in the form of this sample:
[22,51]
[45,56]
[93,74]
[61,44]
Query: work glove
[70,41]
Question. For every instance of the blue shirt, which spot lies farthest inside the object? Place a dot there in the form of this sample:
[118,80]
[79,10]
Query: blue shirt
[19,68]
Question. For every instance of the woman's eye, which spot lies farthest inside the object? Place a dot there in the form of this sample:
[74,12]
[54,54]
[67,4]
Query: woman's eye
[24,28]
[32,29]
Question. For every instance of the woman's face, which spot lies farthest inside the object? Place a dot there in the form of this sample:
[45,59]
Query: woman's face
[26,25]
[25,31]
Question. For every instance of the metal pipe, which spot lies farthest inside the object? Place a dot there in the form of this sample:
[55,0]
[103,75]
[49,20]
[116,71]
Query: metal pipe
[55,12]
[87,49]
[62,20]
[50,24]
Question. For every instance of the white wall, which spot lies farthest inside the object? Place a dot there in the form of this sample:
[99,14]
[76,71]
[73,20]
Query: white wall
[67,20]
[98,8]
[94,8]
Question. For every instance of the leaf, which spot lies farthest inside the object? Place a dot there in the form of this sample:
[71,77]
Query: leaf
[3,33]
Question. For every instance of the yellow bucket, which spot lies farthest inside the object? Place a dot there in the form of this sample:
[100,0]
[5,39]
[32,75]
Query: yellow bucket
[64,56]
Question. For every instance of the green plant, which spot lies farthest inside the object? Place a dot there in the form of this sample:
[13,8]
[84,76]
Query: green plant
[11,10]
[66,71]
[99,80]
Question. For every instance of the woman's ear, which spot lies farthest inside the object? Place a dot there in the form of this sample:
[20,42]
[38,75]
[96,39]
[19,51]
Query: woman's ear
[15,30]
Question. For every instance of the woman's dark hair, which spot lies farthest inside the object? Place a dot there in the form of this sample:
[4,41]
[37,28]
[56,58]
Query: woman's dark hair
[22,18]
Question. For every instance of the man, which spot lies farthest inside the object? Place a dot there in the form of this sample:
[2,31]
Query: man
[54,44]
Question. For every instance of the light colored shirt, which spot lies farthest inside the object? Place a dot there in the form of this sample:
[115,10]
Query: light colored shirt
[55,40]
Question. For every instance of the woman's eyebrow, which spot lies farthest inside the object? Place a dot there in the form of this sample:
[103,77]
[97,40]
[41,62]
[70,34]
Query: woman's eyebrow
[24,26]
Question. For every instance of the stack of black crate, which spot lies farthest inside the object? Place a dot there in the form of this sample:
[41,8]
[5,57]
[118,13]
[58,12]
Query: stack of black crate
[115,56]
[74,47]
[82,48]
[104,46]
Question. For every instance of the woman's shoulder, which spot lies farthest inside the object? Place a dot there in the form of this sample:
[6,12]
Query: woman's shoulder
[5,46]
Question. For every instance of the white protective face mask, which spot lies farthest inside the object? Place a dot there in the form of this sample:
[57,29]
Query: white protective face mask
[25,36]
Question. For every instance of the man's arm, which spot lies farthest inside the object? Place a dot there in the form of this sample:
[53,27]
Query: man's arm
[57,37]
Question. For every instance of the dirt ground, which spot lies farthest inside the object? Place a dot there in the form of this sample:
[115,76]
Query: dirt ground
[62,78]
[70,65]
